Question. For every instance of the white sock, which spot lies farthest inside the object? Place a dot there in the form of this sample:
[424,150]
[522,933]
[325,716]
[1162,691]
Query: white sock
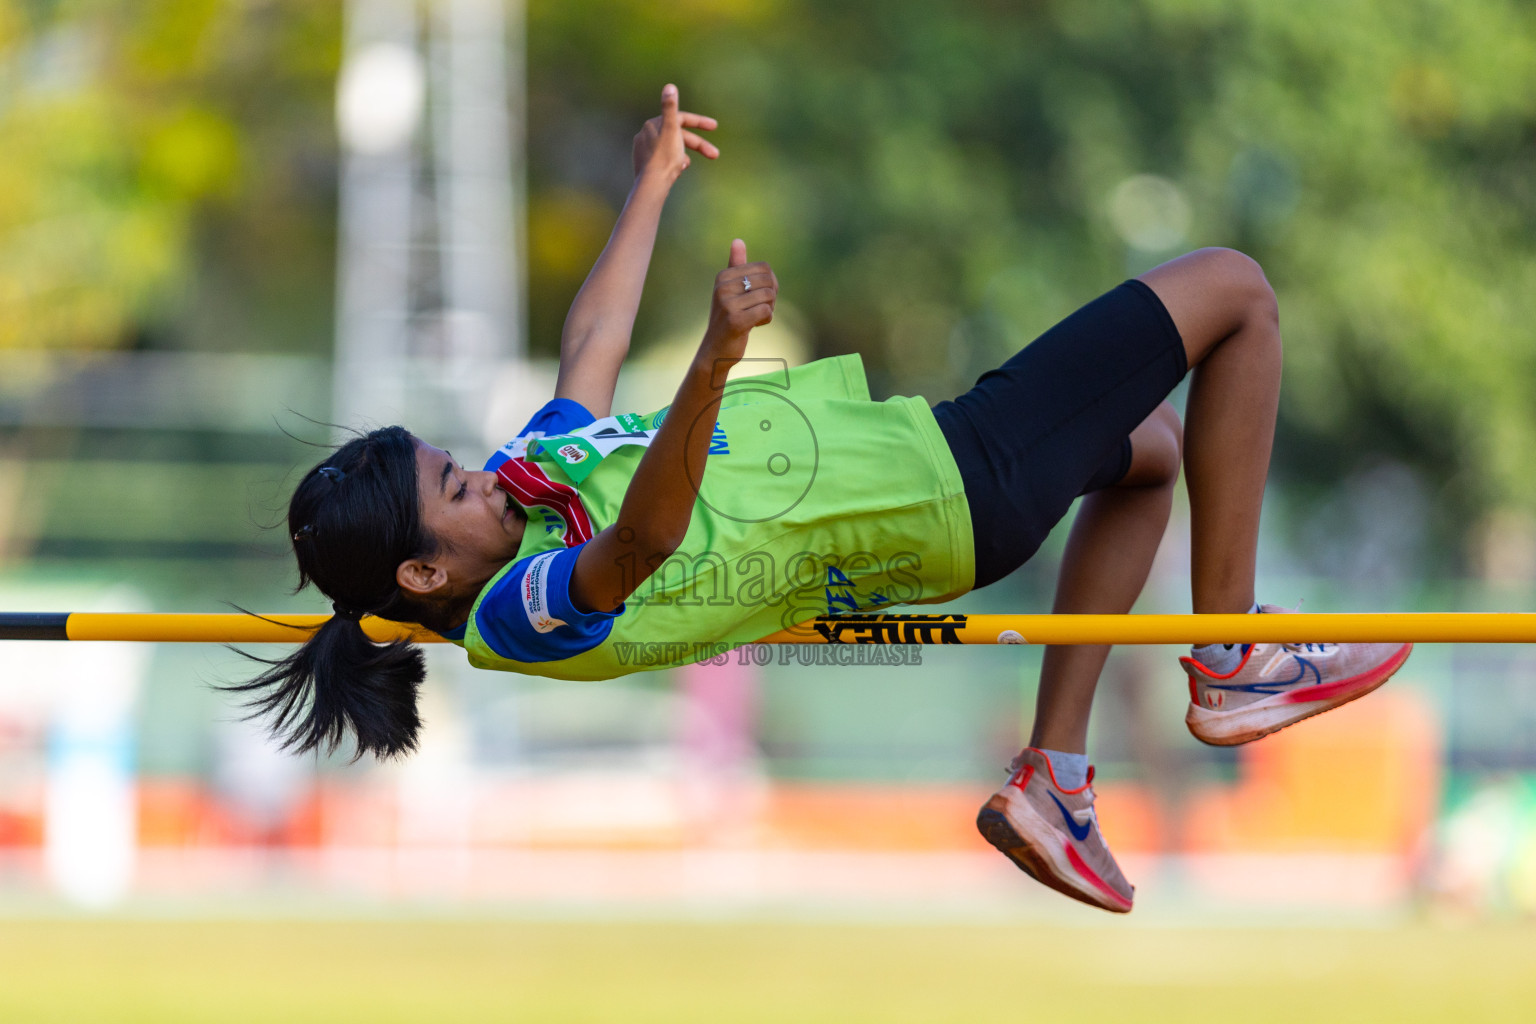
[1071,770]
[1221,658]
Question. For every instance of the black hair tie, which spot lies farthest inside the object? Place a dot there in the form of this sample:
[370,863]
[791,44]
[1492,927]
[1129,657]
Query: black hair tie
[304,532]
[343,612]
[332,473]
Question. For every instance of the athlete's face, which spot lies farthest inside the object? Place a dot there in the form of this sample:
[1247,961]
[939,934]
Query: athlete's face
[478,527]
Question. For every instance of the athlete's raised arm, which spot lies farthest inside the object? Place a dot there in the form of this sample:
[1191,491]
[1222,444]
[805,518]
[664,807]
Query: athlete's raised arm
[659,501]
[597,329]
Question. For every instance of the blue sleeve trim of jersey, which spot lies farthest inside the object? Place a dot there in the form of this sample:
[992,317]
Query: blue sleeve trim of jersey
[528,615]
[558,416]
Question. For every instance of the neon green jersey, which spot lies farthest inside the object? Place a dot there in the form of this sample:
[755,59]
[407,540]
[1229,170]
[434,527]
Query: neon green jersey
[815,500]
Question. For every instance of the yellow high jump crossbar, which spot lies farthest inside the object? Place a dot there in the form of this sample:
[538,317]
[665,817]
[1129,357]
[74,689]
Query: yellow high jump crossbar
[1419,627]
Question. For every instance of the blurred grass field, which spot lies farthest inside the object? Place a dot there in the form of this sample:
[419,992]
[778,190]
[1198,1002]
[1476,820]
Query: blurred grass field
[485,971]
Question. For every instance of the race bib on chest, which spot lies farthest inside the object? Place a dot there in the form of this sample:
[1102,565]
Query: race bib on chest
[579,452]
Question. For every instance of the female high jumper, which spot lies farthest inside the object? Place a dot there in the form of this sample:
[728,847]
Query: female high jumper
[792,494]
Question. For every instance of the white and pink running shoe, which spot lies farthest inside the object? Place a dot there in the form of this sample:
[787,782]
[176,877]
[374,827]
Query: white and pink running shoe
[1052,834]
[1276,685]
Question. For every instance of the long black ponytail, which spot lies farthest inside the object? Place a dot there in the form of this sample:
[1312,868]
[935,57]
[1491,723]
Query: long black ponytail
[353,519]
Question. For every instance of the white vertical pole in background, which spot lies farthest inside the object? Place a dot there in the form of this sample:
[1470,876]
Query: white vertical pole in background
[473,149]
[429,290]
[379,100]
[91,821]
[70,714]
[90,831]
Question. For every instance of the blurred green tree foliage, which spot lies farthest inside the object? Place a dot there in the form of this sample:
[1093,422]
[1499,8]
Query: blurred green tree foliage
[935,182]
[166,172]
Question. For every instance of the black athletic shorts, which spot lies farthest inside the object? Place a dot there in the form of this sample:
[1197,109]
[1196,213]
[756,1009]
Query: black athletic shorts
[1054,422]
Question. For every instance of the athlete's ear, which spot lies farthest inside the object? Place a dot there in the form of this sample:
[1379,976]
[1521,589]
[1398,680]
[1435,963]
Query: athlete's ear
[420,578]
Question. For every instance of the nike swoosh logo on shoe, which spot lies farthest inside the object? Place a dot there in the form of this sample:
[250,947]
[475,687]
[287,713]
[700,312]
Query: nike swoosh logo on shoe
[1079,832]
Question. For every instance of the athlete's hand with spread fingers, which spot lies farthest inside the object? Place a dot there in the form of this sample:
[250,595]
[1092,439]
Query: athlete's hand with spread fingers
[595,338]
[744,298]
[662,146]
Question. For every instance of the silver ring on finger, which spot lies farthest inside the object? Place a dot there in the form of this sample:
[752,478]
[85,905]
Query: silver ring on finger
[746,284]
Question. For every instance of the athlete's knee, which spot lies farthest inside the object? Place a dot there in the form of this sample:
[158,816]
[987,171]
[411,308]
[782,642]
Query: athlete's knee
[1167,418]
[1157,448]
[1170,429]
[1241,281]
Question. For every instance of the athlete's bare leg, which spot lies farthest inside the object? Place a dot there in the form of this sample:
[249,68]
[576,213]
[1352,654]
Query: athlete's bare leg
[1109,553]
[1225,310]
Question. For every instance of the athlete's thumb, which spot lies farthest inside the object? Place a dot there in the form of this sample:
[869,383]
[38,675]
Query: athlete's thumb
[738,253]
